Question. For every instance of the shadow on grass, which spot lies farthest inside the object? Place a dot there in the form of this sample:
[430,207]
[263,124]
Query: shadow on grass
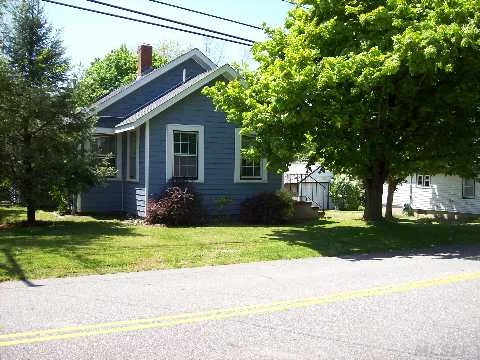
[386,239]
[62,238]
[10,213]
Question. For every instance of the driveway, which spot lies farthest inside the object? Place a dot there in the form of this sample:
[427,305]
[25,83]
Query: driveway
[422,305]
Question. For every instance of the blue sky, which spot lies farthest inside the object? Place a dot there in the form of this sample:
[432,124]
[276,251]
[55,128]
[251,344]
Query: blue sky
[87,35]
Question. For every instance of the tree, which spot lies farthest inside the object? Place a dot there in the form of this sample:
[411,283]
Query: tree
[360,86]
[118,68]
[347,193]
[40,131]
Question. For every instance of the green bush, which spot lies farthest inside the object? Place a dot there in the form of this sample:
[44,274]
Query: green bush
[346,193]
[267,208]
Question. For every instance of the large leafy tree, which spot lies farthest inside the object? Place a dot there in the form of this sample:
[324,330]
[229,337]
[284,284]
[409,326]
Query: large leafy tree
[118,68]
[371,89]
[40,131]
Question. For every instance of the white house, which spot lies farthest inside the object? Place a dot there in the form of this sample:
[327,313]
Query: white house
[438,193]
[310,185]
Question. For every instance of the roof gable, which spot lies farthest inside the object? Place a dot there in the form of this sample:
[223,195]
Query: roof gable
[120,93]
[174,96]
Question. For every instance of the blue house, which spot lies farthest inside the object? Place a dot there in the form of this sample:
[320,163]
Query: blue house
[160,127]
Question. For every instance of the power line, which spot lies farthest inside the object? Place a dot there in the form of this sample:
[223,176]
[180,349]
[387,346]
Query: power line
[169,20]
[146,22]
[206,14]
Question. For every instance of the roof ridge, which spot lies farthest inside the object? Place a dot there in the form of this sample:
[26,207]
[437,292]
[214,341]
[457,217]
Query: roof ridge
[145,78]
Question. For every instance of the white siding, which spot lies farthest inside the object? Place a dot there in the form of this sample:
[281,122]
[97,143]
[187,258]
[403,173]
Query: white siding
[317,192]
[444,194]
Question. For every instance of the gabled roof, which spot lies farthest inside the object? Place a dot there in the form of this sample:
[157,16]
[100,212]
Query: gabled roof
[116,95]
[172,97]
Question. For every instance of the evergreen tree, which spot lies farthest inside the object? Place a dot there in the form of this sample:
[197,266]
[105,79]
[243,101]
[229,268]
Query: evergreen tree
[40,131]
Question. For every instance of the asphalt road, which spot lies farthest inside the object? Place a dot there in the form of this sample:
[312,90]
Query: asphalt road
[388,306]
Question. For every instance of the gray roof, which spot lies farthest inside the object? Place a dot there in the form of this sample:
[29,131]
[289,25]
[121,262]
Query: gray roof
[152,75]
[145,110]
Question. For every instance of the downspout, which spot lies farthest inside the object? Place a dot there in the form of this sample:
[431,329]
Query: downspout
[411,191]
[122,171]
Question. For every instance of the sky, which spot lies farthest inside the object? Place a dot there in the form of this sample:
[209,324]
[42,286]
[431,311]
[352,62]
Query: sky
[87,36]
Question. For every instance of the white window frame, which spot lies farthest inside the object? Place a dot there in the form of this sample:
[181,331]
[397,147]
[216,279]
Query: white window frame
[424,178]
[238,161]
[118,160]
[169,150]
[137,157]
[463,189]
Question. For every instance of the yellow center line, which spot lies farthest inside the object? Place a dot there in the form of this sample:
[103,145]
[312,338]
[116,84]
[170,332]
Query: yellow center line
[69,332]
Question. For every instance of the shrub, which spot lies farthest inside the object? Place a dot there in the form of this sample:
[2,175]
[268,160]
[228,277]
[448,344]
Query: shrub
[408,210]
[267,208]
[346,193]
[179,205]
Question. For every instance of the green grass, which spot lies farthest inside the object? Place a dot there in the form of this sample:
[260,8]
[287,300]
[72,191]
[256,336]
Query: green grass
[69,245]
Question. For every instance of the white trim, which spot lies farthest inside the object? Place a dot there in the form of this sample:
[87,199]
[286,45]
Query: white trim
[119,158]
[194,54]
[103,130]
[137,155]
[79,202]
[224,70]
[170,128]
[238,158]
[147,163]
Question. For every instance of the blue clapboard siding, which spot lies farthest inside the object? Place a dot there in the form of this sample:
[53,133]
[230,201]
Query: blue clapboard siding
[108,197]
[197,109]
[148,92]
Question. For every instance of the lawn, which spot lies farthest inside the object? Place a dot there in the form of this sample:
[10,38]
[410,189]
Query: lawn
[72,245]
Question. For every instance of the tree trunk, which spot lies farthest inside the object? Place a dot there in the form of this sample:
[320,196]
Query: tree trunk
[392,186]
[27,183]
[31,213]
[373,193]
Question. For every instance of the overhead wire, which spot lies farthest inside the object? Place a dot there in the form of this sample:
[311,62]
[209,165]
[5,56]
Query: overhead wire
[250,43]
[207,14]
[168,20]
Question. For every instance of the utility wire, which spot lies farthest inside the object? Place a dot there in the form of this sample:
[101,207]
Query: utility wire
[206,14]
[169,20]
[147,22]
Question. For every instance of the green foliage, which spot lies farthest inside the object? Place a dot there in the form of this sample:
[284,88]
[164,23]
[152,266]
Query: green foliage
[346,193]
[408,210]
[222,203]
[267,208]
[40,131]
[118,68]
[366,88]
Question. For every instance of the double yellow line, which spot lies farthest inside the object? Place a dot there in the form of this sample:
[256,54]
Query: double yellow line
[70,332]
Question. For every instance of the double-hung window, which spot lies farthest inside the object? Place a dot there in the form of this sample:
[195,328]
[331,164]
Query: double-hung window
[132,155]
[423,180]
[185,152]
[250,169]
[109,147]
[468,188]
[247,170]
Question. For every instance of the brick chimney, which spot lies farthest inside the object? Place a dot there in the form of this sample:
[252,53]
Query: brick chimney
[144,64]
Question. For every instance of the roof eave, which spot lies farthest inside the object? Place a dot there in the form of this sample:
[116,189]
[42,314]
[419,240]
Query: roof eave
[226,70]
[109,99]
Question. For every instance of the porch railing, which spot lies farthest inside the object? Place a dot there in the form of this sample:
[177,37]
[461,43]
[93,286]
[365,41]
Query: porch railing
[295,184]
